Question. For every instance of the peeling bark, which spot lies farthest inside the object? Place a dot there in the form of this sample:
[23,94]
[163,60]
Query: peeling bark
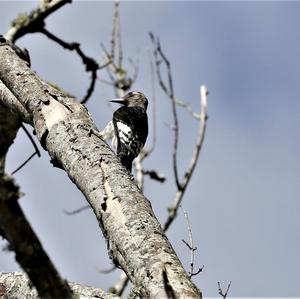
[135,239]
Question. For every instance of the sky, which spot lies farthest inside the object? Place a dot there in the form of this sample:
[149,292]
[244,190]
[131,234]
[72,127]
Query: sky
[243,200]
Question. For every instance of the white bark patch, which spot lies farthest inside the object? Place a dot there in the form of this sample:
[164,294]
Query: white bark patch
[112,203]
[53,113]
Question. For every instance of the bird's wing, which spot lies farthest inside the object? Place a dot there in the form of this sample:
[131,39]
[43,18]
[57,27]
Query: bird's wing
[132,129]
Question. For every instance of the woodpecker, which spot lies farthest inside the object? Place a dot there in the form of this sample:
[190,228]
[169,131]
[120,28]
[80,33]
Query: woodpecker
[129,127]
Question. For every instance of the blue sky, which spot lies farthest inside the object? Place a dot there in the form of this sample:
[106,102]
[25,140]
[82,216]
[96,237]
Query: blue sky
[243,201]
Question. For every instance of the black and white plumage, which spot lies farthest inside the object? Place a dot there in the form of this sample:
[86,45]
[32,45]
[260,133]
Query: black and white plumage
[130,124]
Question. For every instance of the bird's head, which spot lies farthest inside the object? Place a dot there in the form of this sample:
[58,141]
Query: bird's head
[133,99]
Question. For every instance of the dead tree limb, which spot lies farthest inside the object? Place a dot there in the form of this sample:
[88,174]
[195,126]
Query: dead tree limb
[191,247]
[30,23]
[136,241]
[193,162]
[181,184]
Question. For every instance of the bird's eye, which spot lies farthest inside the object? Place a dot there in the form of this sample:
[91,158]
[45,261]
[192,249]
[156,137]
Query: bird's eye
[130,93]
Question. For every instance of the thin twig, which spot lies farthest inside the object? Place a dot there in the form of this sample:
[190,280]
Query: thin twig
[193,162]
[135,66]
[154,175]
[90,64]
[221,293]
[114,30]
[188,108]
[159,57]
[118,36]
[86,207]
[23,164]
[191,247]
[154,118]
[90,88]
[32,140]
[107,271]
[118,75]
[36,152]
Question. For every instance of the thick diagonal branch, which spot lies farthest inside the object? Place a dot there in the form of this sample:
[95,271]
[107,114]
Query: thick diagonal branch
[136,241]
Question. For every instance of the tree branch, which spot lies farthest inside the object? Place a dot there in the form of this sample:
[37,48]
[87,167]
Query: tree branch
[23,241]
[193,162]
[159,57]
[16,285]
[36,151]
[135,239]
[221,292]
[191,247]
[33,22]
[90,64]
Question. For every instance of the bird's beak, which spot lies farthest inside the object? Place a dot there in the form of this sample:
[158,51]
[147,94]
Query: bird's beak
[119,101]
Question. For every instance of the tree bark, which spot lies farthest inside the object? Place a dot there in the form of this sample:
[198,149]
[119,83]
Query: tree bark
[14,226]
[135,239]
[17,285]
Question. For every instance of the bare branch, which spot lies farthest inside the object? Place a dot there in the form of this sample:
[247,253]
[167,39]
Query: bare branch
[154,118]
[116,40]
[23,164]
[26,245]
[36,151]
[90,64]
[135,67]
[221,293]
[32,141]
[113,32]
[191,247]
[188,108]
[69,213]
[118,75]
[154,175]
[90,88]
[193,162]
[161,57]
[33,22]
[107,271]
